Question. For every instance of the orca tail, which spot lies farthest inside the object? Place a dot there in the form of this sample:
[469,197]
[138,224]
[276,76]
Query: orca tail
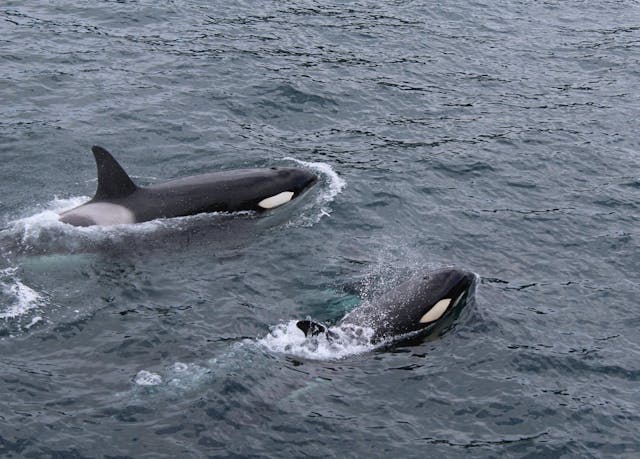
[113,181]
[311,328]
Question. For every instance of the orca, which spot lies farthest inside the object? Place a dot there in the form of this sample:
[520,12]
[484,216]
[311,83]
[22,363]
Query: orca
[420,306]
[119,201]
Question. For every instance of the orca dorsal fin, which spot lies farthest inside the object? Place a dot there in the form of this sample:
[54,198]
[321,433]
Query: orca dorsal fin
[113,181]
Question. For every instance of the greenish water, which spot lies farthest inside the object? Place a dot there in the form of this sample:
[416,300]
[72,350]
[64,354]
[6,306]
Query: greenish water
[497,137]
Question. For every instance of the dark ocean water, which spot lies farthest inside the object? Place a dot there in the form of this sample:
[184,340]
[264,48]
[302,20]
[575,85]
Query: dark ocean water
[501,137]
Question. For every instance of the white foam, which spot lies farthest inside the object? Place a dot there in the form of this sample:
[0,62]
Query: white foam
[288,339]
[35,320]
[31,227]
[44,228]
[146,378]
[335,184]
[176,377]
[186,375]
[50,217]
[20,298]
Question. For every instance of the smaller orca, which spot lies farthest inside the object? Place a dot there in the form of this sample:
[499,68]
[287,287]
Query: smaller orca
[118,200]
[417,307]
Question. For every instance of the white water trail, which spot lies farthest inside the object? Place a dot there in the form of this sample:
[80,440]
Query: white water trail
[31,228]
[19,299]
[288,339]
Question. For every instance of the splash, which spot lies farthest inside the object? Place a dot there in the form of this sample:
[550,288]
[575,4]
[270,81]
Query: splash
[44,233]
[30,228]
[334,185]
[34,227]
[18,299]
[288,339]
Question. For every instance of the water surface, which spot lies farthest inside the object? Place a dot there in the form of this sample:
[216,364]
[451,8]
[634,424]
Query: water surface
[500,137]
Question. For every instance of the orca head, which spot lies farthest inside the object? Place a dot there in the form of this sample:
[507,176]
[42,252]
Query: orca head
[424,304]
[297,180]
[442,293]
[292,181]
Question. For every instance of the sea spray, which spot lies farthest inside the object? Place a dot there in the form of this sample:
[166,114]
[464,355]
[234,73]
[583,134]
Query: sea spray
[288,339]
[334,186]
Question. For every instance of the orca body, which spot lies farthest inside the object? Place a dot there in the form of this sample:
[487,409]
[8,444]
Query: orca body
[417,307]
[118,200]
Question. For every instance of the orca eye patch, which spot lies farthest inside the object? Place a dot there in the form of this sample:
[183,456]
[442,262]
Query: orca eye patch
[436,311]
[277,200]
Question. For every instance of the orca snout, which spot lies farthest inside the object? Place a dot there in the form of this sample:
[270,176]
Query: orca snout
[451,278]
[460,281]
[463,279]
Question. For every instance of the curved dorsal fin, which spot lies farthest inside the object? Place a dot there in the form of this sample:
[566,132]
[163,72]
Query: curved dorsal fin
[113,181]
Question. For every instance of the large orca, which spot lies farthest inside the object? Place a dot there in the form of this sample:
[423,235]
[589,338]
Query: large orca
[414,308]
[118,200]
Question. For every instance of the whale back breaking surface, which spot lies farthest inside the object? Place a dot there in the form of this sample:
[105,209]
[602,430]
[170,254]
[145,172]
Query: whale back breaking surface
[222,191]
[118,200]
